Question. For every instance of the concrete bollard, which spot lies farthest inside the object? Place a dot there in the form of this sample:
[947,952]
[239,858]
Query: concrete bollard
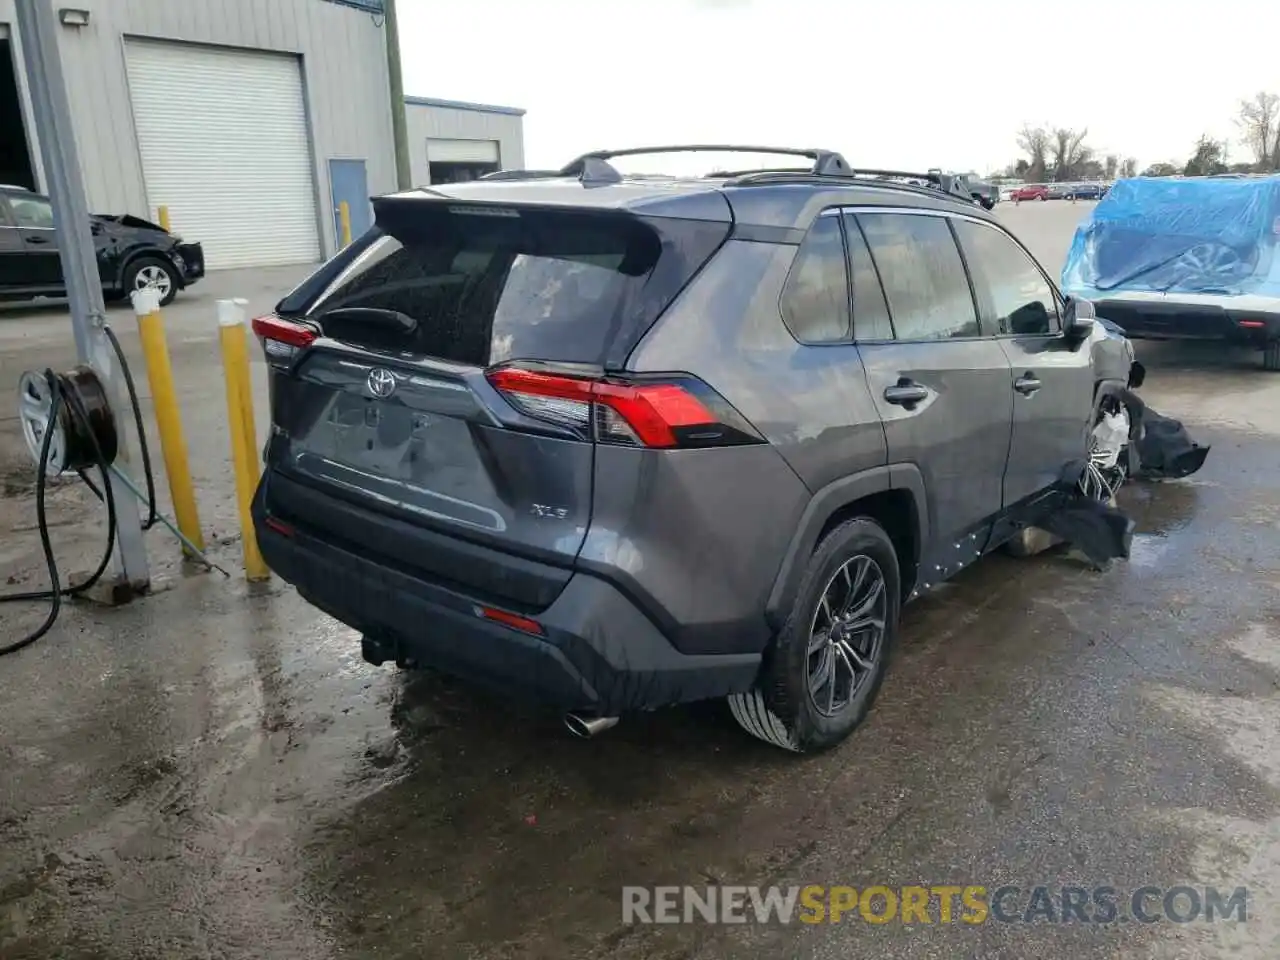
[164,398]
[344,220]
[244,435]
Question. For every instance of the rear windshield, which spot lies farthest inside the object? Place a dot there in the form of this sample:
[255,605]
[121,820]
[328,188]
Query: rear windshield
[482,285]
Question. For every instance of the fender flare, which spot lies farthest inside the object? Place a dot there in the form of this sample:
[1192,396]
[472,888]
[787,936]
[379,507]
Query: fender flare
[825,504]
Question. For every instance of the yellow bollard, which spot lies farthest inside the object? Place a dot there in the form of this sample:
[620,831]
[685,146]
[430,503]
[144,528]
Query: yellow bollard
[163,214]
[344,219]
[146,304]
[244,435]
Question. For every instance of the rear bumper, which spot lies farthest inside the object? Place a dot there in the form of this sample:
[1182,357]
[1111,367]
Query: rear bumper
[598,652]
[1162,320]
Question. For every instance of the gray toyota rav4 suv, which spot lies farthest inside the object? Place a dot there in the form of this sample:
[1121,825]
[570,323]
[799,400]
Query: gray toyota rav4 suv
[617,442]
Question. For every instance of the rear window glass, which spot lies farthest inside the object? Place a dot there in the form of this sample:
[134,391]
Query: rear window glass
[483,285]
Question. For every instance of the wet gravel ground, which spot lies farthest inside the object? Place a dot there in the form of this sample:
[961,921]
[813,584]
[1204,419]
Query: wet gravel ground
[213,772]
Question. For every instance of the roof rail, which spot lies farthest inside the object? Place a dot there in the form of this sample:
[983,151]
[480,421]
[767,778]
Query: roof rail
[521,175]
[933,179]
[595,166]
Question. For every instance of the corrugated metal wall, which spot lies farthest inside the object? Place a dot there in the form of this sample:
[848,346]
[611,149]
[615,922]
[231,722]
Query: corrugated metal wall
[344,71]
[445,120]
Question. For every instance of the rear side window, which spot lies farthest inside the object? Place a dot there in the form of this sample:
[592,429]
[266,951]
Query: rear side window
[483,285]
[31,212]
[923,276]
[870,313]
[1017,296]
[815,300]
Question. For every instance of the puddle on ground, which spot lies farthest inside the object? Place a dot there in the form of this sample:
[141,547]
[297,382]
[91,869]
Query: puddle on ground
[1147,549]
[1232,851]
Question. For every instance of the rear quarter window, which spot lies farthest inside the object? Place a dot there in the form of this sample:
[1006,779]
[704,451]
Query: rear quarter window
[815,300]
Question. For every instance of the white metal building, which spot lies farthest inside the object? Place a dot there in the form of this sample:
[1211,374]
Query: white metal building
[248,119]
[450,141]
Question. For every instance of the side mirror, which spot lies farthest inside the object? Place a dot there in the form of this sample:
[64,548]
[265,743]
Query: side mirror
[1078,319]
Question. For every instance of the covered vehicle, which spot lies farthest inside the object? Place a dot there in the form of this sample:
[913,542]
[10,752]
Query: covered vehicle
[1168,258]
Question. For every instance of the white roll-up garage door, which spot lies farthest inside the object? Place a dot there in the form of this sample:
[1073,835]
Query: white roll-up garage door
[462,151]
[223,137]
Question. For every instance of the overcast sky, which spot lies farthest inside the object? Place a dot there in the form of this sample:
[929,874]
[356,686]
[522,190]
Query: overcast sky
[900,84]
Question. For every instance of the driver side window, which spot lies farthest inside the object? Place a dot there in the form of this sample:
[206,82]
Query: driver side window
[1016,299]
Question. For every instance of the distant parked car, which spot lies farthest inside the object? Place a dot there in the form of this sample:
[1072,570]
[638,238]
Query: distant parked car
[1086,191]
[1059,191]
[1031,191]
[132,253]
[985,194]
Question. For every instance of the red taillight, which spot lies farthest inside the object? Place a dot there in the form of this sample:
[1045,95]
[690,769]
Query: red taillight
[512,620]
[282,339]
[1252,324]
[649,414]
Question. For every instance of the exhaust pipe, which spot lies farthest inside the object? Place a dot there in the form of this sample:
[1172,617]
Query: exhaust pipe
[585,727]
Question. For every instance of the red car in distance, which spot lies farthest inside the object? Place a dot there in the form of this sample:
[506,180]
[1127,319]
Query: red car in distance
[1031,191]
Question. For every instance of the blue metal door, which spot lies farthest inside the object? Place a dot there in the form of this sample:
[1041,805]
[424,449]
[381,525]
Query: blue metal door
[347,181]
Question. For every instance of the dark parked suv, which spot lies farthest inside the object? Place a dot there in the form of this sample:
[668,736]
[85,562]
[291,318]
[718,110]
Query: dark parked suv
[132,253]
[617,443]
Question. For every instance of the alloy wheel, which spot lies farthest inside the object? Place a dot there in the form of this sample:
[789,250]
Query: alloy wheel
[846,634]
[154,278]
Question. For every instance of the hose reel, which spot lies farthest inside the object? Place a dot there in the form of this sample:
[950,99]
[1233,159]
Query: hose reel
[74,408]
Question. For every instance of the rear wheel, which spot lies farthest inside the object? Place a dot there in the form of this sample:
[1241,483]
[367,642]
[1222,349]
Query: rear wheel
[1271,355]
[826,666]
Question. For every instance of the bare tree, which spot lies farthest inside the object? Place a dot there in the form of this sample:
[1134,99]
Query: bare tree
[1110,166]
[1207,159]
[1069,152]
[1034,142]
[1130,167]
[1259,120]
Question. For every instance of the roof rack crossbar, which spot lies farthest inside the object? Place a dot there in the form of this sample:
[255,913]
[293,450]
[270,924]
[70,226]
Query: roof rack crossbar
[825,162]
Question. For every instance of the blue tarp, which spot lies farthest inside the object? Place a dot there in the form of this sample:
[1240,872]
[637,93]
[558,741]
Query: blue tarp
[1170,235]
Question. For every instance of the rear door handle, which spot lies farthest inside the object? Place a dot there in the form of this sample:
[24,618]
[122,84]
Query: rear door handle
[905,393]
[1027,384]
[38,240]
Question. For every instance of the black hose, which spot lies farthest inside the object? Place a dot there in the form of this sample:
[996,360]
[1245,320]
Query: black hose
[152,511]
[62,396]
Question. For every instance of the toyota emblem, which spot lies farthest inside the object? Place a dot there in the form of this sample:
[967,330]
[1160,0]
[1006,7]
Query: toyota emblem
[381,382]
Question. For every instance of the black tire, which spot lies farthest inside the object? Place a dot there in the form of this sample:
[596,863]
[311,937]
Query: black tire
[136,267]
[1271,355]
[782,710]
